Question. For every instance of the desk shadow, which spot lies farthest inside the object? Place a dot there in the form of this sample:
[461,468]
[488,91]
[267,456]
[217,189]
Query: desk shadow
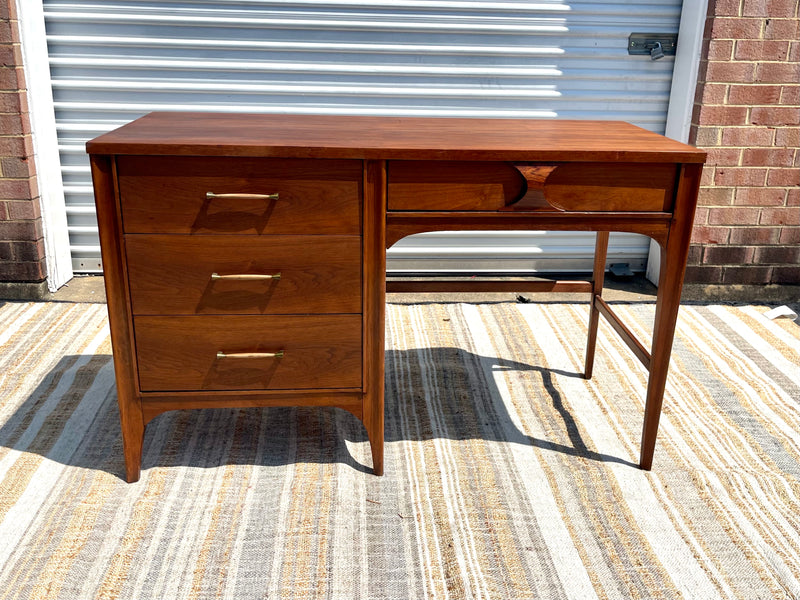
[72,418]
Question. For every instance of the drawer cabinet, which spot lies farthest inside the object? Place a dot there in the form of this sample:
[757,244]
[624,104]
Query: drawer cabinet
[235,281]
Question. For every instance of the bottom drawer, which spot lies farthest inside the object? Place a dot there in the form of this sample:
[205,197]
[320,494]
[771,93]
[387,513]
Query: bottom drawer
[231,352]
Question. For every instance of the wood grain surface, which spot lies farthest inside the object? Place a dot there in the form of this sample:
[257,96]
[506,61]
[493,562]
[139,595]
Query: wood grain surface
[171,274]
[160,195]
[334,136]
[180,353]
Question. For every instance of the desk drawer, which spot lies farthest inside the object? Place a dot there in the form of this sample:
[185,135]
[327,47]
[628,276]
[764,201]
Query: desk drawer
[465,186]
[173,274]
[181,353]
[249,195]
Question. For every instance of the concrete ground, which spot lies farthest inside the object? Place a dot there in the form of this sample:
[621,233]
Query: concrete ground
[636,289]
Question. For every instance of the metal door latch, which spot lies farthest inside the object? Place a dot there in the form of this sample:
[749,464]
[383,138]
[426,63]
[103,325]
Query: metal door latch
[657,45]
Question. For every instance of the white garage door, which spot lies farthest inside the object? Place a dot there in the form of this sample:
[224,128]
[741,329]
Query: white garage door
[114,61]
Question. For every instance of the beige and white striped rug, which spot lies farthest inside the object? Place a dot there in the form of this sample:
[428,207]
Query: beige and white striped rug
[507,475]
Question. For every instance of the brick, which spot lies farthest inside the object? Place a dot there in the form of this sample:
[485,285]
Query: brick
[728,157]
[787,136]
[754,94]
[707,275]
[3,212]
[715,196]
[738,215]
[794,51]
[6,32]
[761,50]
[787,177]
[790,235]
[8,79]
[723,115]
[11,125]
[707,176]
[778,72]
[24,210]
[746,275]
[701,216]
[780,216]
[719,50]
[793,197]
[786,274]
[777,255]
[748,136]
[727,8]
[715,93]
[790,94]
[755,235]
[702,234]
[706,136]
[740,176]
[16,167]
[769,8]
[727,255]
[16,189]
[10,101]
[768,157]
[28,251]
[20,230]
[775,115]
[6,252]
[22,271]
[8,55]
[731,72]
[695,255]
[15,146]
[737,29]
[781,29]
[760,196]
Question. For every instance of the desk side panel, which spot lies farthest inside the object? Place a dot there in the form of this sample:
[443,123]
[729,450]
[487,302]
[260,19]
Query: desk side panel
[119,315]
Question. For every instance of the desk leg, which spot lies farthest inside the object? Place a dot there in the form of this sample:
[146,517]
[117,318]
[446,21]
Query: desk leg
[374,295]
[674,254]
[598,278]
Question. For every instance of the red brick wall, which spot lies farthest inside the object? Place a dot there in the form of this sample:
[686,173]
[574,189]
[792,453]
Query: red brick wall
[21,239]
[747,115]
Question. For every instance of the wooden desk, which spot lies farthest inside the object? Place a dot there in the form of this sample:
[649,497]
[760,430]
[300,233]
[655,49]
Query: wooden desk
[244,255]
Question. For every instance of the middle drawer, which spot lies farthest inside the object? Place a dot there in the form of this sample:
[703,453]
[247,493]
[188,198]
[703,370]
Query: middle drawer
[229,274]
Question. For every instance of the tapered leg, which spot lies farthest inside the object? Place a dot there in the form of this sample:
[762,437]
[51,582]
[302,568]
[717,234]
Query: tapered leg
[374,295]
[132,436]
[598,278]
[674,255]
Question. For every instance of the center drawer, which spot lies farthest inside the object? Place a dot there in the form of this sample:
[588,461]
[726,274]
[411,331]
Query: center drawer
[229,274]
[234,352]
[239,195]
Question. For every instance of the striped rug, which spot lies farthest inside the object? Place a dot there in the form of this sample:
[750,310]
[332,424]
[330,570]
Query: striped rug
[507,475]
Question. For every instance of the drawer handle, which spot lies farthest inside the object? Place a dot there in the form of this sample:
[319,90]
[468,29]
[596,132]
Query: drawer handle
[245,276]
[212,196]
[278,354]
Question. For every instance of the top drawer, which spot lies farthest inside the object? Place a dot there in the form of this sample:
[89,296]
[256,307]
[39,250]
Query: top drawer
[491,186]
[167,194]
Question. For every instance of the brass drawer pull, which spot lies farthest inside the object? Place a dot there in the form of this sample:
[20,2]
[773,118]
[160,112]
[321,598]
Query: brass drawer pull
[212,196]
[245,276]
[278,354]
